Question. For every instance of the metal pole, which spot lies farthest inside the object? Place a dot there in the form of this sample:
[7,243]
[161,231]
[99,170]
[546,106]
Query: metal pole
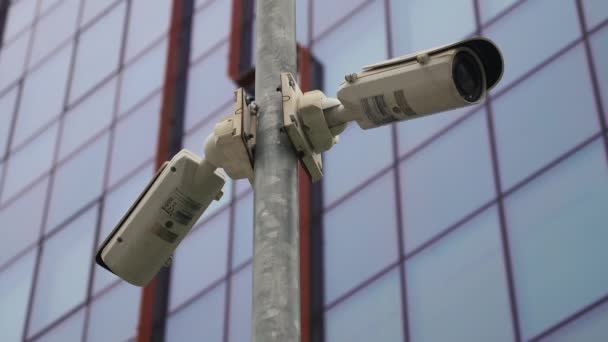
[276,288]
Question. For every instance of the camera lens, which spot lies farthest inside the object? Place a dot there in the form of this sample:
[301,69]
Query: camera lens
[467,76]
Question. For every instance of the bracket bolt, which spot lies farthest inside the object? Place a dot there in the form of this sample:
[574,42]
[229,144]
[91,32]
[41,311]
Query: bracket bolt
[423,58]
[253,107]
[350,78]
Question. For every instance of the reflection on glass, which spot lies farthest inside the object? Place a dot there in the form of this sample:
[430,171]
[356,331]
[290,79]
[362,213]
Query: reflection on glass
[459,285]
[63,275]
[148,21]
[371,314]
[20,14]
[209,27]
[240,306]
[590,327]
[12,59]
[201,320]
[360,237]
[15,285]
[114,315]
[69,330]
[596,11]
[557,228]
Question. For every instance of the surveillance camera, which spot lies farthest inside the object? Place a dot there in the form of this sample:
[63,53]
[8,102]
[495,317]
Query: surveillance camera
[164,213]
[419,84]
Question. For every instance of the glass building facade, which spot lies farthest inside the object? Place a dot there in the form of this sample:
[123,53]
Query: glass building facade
[487,223]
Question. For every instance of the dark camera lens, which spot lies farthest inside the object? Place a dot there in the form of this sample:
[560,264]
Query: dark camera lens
[467,75]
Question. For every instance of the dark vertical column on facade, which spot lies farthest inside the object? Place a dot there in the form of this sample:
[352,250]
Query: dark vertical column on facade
[504,234]
[4,4]
[240,67]
[155,296]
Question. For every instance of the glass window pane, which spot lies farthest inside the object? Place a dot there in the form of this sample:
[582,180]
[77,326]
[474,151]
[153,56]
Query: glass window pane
[333,50]
[414,132]
[446,180]
[78,182]
[240,306]
[116,205]
[200,259]
[70,330]
[15,285]
[143,77]
[87,118]
[114,315]
[593,326]
[93,8]
[7,111]
[149,20]
[208,87]
[63,275]
[201,320]
[210,26]
[242,249]
[521,30]
[135,139]
[538,121]
[459,285]
[98,51]
[21,221]
[12,59]
[595,12]
[423,24]
[490,8]
[599,46]
[23,168]
[54,28]
[371,314]
[20,14]
[327,13]
[47,85]
[557,228]
[302,18]
[364,223]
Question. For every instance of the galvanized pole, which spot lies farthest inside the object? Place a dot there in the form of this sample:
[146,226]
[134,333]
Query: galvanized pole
[276,288]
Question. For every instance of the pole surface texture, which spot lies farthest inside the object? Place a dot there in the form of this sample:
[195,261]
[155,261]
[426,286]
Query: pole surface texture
[276,287]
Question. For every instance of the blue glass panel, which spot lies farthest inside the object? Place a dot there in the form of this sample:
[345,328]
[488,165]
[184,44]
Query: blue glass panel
[23,168]
[93,8]
[521,30]
[149,20]
[21,220]
[371,314]
[135,139]
[20,15]
[490,8]
[538,121]
[558,233]
[143,77]
[413,132]
[360,237]
[329,13]
[201,320]
[302,19]
[114,315]
[87,118]
[457,288]
[63,275]
[240,306]
[210,26]
[70,330]
[98,51]
[7,111]
[446,181]
[593,326]
[596,11]
[54,28]
[15,285]
[200,259]
[117,202]
[12,59]
[599,47]
[209,87]
[242,248]
[47,85]
[423,24]
[78,182]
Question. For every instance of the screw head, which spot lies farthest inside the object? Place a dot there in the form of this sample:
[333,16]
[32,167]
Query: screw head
[253,107]
[350,78]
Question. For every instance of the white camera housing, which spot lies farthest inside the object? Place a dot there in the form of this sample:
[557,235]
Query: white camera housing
[421,83]
[145,238]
